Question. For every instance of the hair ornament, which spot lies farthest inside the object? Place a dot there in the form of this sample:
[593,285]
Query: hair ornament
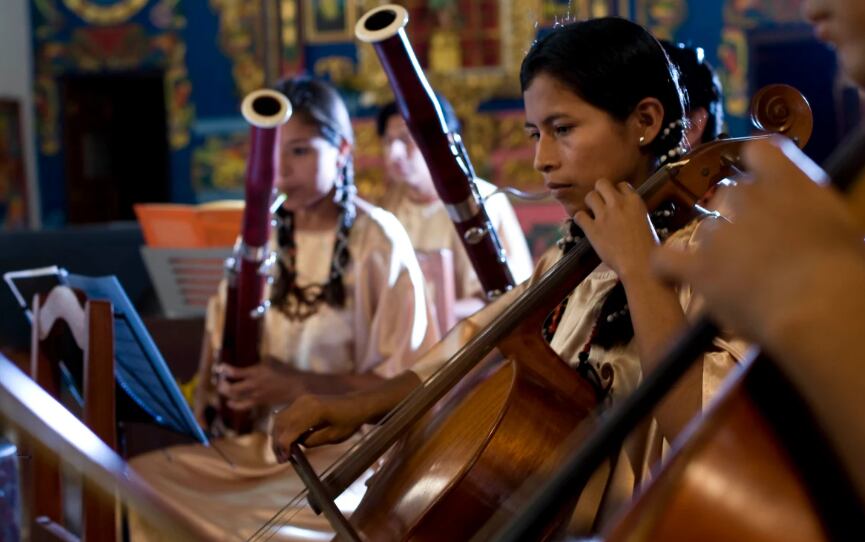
[672,154]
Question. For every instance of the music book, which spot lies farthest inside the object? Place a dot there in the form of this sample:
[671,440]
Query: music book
[206,225]
[140,369]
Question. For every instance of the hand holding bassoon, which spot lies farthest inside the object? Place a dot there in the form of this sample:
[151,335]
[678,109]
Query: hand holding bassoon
[266,111]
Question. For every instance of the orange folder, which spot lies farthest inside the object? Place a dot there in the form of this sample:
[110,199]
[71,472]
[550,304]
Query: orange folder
[171,225]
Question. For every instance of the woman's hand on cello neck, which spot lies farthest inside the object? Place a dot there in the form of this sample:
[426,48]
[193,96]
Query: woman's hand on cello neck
[328,419]
[617,224]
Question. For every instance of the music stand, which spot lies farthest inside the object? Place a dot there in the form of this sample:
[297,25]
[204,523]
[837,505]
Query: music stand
[140,369]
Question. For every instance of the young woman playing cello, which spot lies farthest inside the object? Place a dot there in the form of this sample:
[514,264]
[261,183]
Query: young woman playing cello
[601,124]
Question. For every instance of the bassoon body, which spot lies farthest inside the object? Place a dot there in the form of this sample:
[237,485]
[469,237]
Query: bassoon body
[443,151]
[265,110]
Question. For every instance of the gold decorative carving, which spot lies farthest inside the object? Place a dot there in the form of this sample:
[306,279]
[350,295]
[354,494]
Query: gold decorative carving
[338,69]
[238,30]
[368,163]
[661,17]
[134,49]
[577,10]
[98,13]
[466,88]
[327,21]
[517,30]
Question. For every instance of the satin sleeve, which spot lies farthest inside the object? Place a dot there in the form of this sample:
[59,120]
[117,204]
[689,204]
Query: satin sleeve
[511,235]
[214,320]
[461,333]
[728,349]
[393,322]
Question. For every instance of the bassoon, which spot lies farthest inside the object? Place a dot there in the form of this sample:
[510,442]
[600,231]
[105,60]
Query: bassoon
[246,270]
[443,150]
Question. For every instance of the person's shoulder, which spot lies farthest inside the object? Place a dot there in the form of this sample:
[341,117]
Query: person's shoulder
[549,257]
[375,217]
[692,234]
[379,226]
[391,198]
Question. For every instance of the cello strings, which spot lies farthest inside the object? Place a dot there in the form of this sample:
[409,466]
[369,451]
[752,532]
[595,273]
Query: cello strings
[289,511]
[286,514]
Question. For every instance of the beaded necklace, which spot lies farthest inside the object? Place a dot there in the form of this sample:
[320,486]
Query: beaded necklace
[613,324]
[296,302]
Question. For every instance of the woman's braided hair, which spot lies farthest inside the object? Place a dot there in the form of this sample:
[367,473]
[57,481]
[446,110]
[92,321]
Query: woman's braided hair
[320,105]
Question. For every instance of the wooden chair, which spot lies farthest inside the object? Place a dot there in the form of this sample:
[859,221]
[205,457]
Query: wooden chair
[437,267]
[28,411]
[58,316]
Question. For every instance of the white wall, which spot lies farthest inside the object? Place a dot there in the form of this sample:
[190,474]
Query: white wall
[16,81]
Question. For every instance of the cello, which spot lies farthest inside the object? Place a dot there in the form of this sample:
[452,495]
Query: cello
[528,402]
[760,444]
[756,466]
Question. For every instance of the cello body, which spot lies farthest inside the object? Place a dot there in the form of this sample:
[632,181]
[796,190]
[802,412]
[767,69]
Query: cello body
[460,448]
[449,476]
[753,468]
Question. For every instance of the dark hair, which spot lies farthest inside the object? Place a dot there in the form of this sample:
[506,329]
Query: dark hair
[320,105]
[612,64]
[701,82]
[389,109]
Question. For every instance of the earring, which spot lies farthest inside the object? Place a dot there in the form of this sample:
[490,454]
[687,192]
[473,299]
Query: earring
[642,140]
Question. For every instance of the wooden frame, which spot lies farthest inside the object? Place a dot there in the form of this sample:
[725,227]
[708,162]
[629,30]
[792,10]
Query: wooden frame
[319,27]
[91,326]
[33,414]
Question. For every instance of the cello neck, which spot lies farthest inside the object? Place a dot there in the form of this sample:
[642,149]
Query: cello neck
[683,182]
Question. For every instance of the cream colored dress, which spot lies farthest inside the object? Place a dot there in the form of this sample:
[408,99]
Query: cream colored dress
[604,493]
[430,228]
[383,327]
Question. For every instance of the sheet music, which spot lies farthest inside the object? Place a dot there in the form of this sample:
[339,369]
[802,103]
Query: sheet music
[140,369]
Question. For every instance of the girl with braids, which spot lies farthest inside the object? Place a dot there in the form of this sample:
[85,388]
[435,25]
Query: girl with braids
[604,109]
[347,309]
